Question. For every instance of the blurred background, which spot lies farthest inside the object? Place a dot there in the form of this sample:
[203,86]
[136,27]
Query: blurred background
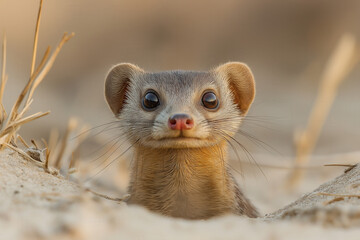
[285,43]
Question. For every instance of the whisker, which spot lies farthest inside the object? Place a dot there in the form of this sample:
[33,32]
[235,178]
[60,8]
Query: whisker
[93,128]
[235,151]
[108,148]
[263,117]
[111,152]
[247,153]
[252,138]
[239,160]
[120,155]
[249,124]
[259,142]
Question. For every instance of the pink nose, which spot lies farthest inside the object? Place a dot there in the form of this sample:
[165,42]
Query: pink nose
[181,122]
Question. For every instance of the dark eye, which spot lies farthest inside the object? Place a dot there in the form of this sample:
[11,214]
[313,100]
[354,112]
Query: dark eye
[150,101]
[210,100]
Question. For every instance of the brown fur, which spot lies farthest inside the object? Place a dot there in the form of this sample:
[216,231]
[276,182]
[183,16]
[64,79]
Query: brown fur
[183,174]
[182,183]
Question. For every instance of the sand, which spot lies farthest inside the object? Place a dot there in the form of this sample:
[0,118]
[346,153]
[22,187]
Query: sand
[40,205]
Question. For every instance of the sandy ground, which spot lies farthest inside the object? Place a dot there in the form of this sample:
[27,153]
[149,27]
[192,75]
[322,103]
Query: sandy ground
[38,205]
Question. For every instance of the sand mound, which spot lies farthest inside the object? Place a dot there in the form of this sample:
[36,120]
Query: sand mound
[335,203]
[39,205]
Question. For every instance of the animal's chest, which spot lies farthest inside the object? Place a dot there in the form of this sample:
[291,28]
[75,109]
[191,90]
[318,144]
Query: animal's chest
[195,197]
[183,192]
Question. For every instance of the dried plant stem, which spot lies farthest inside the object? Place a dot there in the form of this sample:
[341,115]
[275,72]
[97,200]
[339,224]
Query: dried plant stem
[34,82]
[10,130]
[3,74]
[71,126]
[15,125]
[34,143]
[30,118]
[26,107]
[23,141]
[13,113]
[73,159]
[339,195]
[66,37]
[46,164]
[124,198]
[339,165]
[339,65]
[33,62]
[3,83]
[3,69]
[52,143]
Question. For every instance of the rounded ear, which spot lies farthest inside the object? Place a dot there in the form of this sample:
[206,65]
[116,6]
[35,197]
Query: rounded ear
[241,83]
[117,83]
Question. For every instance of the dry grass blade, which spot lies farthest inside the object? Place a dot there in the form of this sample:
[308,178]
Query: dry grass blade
[3,115]
[30,118]
[338,67]
[36,39]
[34,81]
[47,156]
[52,143]
[3,73]
[338,199]
[23,141]
[75,154]
[73,159]
[37,71]
[339,165]
[26,107]
[339,195]
[124,198]
[34,143]
[66,37]
[71,126]
[13,113]
[3,83]
[63,155]
[10,130]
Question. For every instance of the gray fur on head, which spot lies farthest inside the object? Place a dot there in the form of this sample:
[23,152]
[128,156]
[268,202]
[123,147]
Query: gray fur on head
[179,92]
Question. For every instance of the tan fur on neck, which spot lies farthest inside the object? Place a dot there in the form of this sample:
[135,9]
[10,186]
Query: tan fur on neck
[187,183]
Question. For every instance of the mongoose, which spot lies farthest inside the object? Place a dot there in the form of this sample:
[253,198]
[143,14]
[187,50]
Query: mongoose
[179,123]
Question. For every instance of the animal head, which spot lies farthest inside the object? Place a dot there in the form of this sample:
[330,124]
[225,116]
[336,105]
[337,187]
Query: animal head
[180,109]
